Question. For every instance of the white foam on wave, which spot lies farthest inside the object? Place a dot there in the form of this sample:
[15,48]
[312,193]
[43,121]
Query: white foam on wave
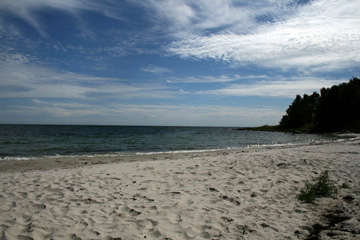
[344,138]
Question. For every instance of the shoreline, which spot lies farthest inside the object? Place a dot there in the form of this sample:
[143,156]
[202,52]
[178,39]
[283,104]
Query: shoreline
[226,194]
[75,161]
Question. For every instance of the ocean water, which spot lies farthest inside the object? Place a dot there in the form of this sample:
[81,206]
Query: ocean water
[31,141]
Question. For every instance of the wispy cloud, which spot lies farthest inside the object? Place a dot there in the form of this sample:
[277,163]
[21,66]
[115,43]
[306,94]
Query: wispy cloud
[63,109]
[202,115]
[320,36]
[21,78]
[155,69]
[8,31]
[317,36]
[28,11]
[277,88]
[198,16]
[213,79]
[142,114]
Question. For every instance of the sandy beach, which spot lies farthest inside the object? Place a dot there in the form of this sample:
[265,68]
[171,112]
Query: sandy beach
[230,194]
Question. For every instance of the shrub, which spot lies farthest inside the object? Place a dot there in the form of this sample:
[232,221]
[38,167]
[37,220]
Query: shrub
[322,187]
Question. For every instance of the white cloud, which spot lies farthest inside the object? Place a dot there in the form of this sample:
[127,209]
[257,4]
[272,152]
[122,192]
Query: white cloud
[320,36]
[20,78]
[179,115]
[276,88]
[155,69]
[196,16]
[204,115]
[212,79]
[67,109]
[26,9]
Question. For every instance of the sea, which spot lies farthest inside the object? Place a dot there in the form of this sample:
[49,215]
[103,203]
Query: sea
[26,142]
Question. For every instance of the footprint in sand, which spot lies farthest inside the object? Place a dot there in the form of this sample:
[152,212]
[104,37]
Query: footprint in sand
[174,218]
[146,224]
[191,233]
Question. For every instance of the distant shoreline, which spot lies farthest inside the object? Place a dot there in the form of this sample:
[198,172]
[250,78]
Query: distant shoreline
[277,128]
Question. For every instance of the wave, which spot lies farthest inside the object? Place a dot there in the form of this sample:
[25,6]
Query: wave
[344,138]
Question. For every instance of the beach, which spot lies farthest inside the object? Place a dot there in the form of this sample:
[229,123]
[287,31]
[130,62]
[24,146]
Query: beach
[248,193]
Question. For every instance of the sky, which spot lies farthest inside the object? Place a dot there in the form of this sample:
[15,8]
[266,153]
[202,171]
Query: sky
[170,62]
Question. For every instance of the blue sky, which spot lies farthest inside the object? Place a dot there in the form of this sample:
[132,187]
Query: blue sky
[170,62]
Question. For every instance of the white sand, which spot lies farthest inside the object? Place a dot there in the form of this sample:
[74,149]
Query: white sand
[235,194]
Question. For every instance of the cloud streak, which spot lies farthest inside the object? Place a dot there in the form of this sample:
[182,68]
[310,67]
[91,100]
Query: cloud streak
[276,88]
[155,69]
[142,114]
[199,16]
[21,78]
[321,36]
[28,11]
[213,79]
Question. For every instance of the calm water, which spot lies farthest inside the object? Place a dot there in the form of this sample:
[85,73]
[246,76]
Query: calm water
[26,141]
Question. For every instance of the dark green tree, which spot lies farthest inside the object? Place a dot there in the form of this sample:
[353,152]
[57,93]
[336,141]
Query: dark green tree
[301,112]
[334,109]
[339,107]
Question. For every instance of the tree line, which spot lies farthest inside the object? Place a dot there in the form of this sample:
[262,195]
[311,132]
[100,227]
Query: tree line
[334,109]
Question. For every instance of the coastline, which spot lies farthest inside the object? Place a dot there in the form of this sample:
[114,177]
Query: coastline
[226,194]
[22,164]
